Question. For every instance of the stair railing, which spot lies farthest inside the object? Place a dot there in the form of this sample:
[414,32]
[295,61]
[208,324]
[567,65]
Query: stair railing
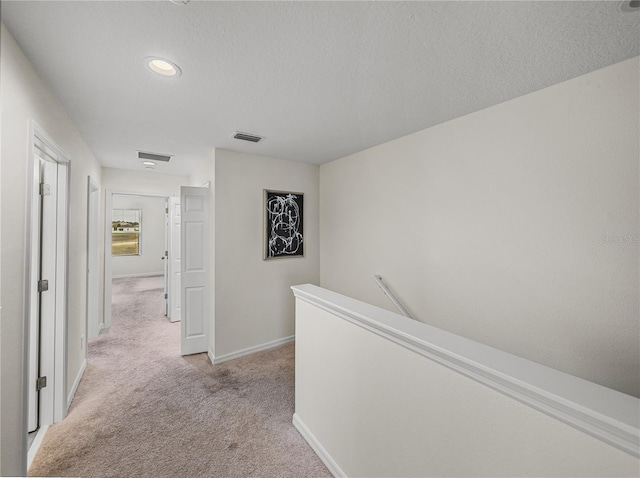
[392,296]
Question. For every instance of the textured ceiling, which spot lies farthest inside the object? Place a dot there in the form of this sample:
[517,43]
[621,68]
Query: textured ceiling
[319,80]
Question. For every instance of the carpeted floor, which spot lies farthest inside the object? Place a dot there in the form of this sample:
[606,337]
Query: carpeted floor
[143,410]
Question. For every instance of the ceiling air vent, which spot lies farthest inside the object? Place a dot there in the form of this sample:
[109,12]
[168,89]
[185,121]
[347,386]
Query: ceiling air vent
[154,156]
[247,137]
[629,5]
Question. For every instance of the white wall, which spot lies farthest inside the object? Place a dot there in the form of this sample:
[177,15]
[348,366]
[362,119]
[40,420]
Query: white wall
[152,234]
[204,172]
[516,226]
[253,303]
[24,96]
[146,182]
[380,409]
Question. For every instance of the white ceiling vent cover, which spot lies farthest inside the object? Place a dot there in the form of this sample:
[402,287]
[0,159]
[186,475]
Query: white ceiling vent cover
[154,156]
[247,137]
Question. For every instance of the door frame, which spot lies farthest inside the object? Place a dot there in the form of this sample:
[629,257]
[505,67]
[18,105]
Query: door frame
[54,361]
[173,290]
[92,188]
[108,266]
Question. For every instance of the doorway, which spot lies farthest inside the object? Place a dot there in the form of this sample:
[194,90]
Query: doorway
[93,244]
[137,241]
[46,286]
[186,269]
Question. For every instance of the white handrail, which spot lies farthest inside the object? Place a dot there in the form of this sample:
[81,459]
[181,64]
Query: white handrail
[603,413]
[391,296]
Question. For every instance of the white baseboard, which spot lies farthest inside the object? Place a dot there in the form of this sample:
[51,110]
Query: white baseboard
[210,355]
[83,367]
[251,350]
[35,446]
[144,274]
[318,448]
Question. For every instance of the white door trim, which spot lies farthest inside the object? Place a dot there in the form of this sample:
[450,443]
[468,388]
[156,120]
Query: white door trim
[54,361]
[93,245]
[108,269]
[174,260]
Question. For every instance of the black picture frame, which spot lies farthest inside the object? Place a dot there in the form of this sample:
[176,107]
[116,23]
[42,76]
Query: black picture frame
[283,224]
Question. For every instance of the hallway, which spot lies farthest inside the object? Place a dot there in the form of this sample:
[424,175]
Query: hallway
[143,410]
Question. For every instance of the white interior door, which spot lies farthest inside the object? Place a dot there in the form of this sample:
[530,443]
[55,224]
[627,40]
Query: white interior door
[43,315]
[93,238]
[194,269]
[174,259]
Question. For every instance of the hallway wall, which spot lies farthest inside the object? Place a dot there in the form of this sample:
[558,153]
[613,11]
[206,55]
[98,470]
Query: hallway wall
[515,226]
[128,181]
[251,299]
[24,96]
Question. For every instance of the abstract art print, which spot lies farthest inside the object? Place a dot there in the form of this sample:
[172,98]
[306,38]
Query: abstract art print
[283,224]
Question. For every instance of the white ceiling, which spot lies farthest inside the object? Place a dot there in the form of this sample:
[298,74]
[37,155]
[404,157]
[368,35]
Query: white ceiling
[319,80]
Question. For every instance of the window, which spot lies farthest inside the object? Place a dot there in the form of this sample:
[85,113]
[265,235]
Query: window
[125,232]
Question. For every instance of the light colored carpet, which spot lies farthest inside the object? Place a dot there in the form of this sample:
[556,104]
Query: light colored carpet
[143,410]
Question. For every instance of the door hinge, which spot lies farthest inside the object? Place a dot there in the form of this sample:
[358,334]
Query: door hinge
[166,210]
[166,253]
[41,382]
[43,285]
[166,296]
[45,189]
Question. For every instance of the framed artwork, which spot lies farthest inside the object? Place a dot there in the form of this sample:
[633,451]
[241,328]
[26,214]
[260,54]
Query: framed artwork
[283,224]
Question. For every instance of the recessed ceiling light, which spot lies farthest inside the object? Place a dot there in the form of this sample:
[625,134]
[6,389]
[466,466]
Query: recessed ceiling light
[629,5]
[148,163]
[180,2]
[162,66]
